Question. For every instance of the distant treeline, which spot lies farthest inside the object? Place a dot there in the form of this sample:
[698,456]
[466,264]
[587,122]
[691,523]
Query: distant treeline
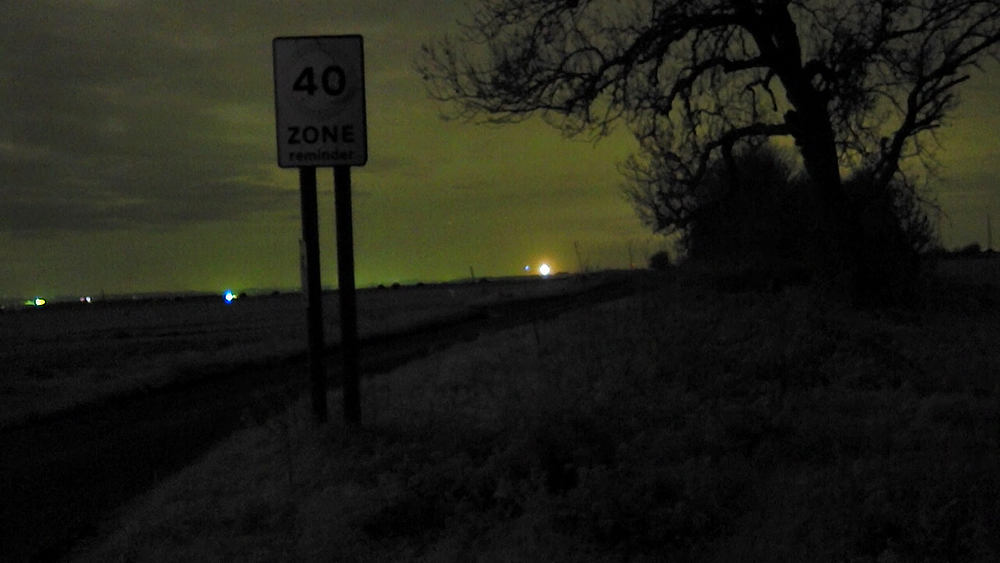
[968,251]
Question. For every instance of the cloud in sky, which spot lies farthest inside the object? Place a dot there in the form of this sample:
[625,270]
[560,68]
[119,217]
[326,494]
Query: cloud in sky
[137,152]
[131,126]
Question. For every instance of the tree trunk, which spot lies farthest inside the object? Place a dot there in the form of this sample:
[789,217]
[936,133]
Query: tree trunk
[841,238]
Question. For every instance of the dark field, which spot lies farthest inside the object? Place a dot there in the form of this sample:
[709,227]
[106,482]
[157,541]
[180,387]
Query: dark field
[67,354]
[678,422]
[63,471]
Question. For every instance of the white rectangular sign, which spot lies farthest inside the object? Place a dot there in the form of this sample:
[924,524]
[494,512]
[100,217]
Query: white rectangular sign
[319,100]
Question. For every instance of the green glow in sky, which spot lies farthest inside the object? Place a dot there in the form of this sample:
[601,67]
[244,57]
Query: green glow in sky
[137,153]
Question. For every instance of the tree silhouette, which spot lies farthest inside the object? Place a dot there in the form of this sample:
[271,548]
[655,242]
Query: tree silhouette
[753,213]
[858,84]
[746,210]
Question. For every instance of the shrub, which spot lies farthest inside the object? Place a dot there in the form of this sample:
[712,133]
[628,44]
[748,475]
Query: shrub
[894,229]
[756,220]
[660,261]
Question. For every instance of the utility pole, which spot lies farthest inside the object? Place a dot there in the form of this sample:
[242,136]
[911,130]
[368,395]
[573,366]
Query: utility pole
[989,234]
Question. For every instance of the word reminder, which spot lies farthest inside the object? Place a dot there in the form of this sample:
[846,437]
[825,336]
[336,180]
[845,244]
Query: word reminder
[319,98]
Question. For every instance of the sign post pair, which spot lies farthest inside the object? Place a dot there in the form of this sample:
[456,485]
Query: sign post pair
[319,94]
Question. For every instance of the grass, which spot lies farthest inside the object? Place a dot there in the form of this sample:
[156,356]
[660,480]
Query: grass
[683,424]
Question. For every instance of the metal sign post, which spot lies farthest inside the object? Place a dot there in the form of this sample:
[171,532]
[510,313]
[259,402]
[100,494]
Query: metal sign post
[319,96]
[311,285]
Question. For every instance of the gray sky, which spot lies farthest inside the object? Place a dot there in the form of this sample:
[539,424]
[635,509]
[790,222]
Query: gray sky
[137,153]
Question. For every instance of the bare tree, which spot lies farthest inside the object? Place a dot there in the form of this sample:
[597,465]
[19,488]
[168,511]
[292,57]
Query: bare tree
[858,84]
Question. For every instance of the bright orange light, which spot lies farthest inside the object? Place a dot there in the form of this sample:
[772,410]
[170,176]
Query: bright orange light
[544,270]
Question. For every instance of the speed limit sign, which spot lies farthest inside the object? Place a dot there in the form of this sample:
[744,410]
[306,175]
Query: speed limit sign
[319,97]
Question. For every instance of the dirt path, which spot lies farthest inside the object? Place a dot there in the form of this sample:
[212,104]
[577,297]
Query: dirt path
[60,476]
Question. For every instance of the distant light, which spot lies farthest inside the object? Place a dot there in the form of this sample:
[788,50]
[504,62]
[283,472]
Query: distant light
[86,299]
[527,268]
[36,302]
[229,297]
[544,269]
